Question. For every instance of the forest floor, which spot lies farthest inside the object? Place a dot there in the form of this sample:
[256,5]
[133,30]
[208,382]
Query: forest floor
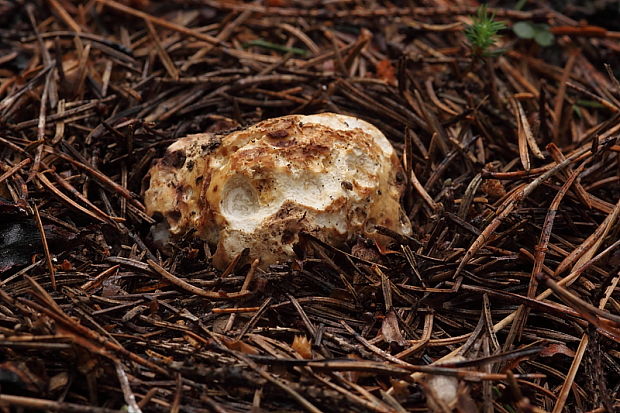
[505,298]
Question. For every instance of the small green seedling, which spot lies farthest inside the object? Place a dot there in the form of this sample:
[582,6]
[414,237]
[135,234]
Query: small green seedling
[482,33]
[539,32]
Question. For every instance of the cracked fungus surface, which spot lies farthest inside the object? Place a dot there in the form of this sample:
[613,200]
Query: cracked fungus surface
[330,175]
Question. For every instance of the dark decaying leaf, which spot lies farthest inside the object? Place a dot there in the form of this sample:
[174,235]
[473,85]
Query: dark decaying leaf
[390,329]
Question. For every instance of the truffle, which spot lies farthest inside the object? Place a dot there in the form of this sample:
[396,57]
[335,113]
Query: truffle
[330,175]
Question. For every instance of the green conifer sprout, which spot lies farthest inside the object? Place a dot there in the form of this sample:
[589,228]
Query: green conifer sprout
[482,33]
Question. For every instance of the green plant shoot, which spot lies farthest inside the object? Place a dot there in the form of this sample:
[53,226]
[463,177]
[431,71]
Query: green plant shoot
[482,33]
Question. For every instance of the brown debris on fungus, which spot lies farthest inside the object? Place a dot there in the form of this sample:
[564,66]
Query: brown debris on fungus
[330,175]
